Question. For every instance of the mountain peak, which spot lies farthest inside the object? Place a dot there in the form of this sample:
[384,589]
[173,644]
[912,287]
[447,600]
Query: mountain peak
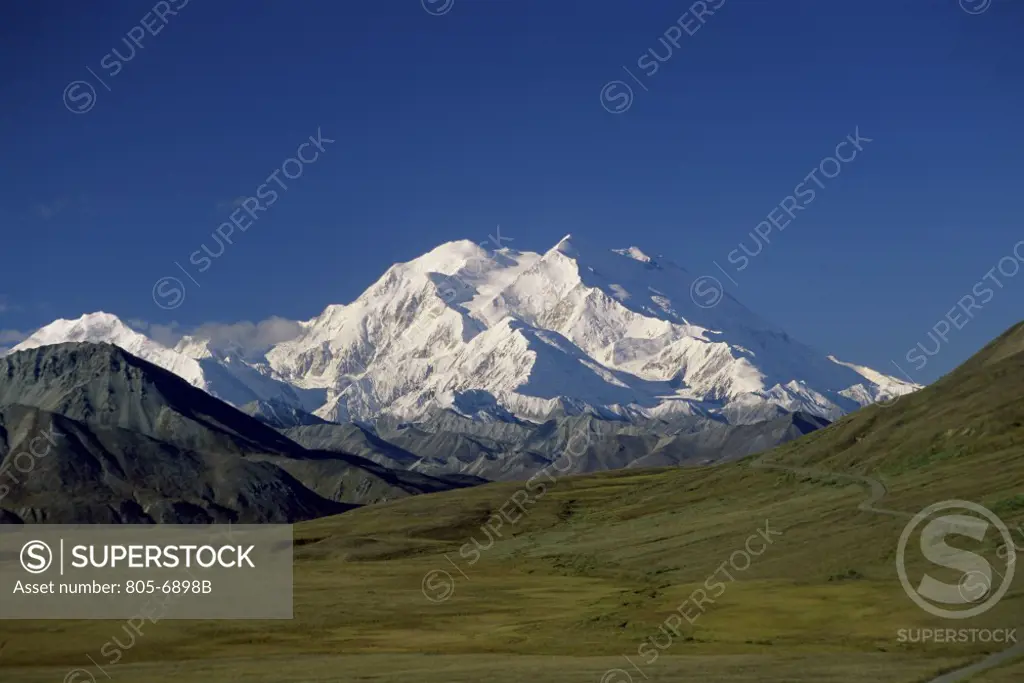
[447,258]
[606,330]
[101,327]
[90,327]
[566,245]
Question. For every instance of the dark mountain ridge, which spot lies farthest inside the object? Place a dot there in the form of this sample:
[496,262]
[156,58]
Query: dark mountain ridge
[90,433]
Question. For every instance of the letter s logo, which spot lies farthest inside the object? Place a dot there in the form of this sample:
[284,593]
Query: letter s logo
[974,573]
[970,565]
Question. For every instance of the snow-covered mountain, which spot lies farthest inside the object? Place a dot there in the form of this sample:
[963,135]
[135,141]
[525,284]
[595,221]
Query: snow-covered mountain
[223,373]
[506,333]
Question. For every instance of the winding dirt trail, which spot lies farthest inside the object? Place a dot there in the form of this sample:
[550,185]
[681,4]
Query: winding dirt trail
[877,489]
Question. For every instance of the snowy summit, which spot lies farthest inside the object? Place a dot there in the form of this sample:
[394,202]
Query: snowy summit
[500,333]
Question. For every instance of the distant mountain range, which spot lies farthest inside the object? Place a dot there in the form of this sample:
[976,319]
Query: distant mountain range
[513,336]
[449,443]
[90,433]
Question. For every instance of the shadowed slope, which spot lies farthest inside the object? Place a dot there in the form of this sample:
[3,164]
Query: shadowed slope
[132,442]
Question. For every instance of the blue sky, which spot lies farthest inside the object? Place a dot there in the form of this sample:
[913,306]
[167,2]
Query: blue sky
[493,112]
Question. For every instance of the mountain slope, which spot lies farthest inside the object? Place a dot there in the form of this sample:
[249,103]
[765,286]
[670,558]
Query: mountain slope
[93,474]
[280,415]
[135,442]
[448,443]
[974,410]
[351,438]
[102,384]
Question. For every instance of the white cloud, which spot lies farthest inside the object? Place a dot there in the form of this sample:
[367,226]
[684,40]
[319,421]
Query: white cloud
[168,335]
[246,338]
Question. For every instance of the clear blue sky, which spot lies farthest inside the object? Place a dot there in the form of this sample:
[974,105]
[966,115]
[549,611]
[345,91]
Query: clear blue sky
[446,126]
